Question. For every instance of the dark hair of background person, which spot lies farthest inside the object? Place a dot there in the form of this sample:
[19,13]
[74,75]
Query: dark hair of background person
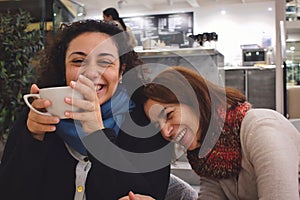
[115,16]
[52,68]
[204,90]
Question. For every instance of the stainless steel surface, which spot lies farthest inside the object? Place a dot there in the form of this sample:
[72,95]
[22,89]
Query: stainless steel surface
[258,84]
[207,62]
[176,52]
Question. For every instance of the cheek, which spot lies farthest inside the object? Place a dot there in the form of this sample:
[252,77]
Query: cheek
[166,138]
[190,118]
[111,76]
[112,80]
[71,74]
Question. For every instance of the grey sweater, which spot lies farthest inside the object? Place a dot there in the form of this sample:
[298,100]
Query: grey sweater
[270,161]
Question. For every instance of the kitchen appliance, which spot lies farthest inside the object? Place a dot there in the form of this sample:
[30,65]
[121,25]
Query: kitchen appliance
[254,56]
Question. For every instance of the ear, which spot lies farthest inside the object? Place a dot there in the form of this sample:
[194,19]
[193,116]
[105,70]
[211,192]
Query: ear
[122,69]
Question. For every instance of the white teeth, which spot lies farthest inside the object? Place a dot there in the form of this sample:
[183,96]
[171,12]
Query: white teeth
[180,135]
[99,87]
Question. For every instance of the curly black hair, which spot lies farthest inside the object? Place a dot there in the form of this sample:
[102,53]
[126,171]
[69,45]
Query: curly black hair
[52,69]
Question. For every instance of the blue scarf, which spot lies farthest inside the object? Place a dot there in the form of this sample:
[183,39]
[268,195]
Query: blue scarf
[113,115]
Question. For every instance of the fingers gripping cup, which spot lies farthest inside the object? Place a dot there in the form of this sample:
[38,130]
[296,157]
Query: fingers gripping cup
[56,96]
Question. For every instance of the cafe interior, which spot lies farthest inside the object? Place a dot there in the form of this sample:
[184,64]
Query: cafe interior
[251,45]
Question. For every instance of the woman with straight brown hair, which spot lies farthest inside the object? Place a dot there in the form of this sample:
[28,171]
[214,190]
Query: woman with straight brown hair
[239,152]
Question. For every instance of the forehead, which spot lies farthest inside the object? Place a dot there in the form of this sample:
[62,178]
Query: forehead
[93,42]
[153,109]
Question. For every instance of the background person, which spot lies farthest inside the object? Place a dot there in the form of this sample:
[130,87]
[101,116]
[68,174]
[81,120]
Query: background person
[44,159]
[256,155]
[111,14]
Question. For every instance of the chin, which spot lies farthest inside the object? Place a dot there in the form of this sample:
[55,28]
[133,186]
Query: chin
[192,147]
[102,99]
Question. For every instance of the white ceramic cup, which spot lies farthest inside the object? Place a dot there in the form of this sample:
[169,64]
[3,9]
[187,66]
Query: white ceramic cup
[56,96]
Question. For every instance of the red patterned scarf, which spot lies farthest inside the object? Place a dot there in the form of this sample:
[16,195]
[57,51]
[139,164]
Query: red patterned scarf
[224,160]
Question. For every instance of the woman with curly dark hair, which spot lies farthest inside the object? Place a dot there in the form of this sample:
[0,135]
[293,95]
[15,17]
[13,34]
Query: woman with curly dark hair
[95,153]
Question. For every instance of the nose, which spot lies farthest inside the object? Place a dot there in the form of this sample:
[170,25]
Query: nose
[92,73]
[166,130]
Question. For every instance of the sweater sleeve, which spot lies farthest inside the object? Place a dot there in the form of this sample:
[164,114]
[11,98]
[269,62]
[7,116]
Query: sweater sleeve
[210,189]
[21,163]
[270,143]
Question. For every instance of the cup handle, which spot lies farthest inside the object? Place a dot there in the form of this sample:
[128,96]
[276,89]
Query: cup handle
[26,96]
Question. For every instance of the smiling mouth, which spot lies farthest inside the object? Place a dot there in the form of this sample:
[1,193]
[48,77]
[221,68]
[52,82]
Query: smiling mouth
[180,136]
[99,87]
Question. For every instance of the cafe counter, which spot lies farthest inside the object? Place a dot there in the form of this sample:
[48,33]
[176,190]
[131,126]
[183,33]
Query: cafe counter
[205,61]
[256,82]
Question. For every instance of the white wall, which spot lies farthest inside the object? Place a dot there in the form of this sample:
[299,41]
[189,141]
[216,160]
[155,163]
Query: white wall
[242,24]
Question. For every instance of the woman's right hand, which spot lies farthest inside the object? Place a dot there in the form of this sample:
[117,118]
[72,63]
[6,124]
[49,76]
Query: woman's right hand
[39,124]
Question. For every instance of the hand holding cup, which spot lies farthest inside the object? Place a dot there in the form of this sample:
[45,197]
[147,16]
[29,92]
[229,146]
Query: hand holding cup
[38,122]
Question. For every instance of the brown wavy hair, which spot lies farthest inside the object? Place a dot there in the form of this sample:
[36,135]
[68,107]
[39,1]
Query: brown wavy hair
[185,84]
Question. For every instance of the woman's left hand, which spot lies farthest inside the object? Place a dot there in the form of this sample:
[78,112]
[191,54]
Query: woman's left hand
[132,196]
[90,114]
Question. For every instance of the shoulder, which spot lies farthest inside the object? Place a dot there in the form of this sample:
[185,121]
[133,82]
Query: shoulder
[261,114]
[118,24]
[266,127]
[138,134]
[256,118]
[128,28]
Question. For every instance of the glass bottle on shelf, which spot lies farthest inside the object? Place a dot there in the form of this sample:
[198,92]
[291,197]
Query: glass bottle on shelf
[214,40]
[291,10]
[206,40]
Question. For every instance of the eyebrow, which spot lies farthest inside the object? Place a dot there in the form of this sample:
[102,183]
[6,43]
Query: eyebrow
[99,55]
[77,52]
[106,54]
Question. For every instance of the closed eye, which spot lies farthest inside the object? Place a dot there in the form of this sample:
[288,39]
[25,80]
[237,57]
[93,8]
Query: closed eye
[169,115]
[104,63]
[79,62]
